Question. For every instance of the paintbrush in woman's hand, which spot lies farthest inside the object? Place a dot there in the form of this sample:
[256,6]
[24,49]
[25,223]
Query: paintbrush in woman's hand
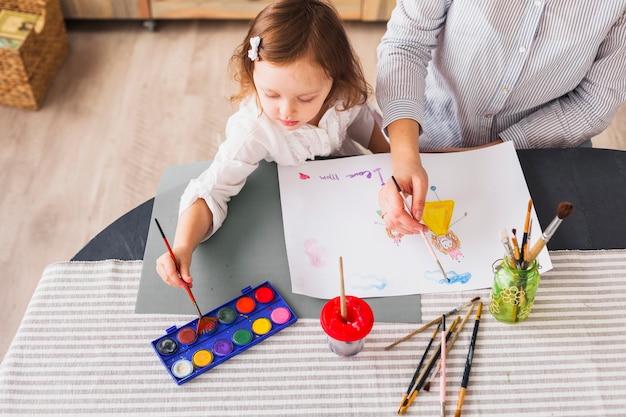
[428,245]
[565,209]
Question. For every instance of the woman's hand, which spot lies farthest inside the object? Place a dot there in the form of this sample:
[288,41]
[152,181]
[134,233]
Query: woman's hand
[410,176]
[394,208]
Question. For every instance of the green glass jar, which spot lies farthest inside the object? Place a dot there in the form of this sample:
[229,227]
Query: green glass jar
[513,291]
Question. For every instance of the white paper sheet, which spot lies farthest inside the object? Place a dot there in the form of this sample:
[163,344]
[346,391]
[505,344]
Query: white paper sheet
[330,209]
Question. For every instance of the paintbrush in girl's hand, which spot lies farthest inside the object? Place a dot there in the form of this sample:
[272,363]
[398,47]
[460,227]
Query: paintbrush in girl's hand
[205,324]
[565,209]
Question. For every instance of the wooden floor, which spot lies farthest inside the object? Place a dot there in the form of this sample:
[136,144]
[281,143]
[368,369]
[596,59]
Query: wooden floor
[126,104]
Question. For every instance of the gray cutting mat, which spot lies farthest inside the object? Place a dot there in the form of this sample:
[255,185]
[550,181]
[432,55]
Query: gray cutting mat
[249,249]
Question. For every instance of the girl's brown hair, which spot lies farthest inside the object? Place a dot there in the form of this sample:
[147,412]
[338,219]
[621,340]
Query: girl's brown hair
[293,29]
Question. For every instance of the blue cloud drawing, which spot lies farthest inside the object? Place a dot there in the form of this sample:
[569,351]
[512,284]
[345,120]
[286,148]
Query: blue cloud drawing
[367,282]
[453,277]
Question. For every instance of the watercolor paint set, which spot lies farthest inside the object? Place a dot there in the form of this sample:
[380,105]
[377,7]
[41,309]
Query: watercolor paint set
[241,323]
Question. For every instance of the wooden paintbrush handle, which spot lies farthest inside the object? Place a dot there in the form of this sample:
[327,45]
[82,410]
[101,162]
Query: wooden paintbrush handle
[534,251]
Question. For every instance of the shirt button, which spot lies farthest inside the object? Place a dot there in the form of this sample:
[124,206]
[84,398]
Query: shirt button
[488,116]
[522,49]
[538,3]
[504,90]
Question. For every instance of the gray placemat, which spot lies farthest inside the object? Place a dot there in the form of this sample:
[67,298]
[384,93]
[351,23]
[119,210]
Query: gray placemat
[248,250]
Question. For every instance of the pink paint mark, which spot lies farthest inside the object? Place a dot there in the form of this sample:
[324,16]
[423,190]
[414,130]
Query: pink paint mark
[304,176]
[315,252]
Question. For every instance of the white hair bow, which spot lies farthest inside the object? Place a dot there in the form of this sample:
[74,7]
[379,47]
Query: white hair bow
[253,52]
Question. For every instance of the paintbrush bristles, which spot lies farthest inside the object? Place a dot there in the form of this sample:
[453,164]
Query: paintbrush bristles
[565,209]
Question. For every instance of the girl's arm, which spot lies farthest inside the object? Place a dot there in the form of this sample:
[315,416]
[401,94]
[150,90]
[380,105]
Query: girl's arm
[204,204]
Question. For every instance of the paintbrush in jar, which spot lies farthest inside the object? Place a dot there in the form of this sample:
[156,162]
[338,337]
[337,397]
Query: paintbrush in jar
[516,250]
[563,210]
[522,249]
[508,249]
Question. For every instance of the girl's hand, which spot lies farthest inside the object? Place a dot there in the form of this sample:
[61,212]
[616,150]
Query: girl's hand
[166,268]
[193,224]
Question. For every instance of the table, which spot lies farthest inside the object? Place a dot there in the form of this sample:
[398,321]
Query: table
[594,180]
[81,350]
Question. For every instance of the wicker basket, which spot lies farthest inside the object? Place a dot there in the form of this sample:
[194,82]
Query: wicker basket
[27,72]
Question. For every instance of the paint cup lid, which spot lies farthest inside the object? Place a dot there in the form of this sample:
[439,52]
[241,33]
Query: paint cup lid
[359,324]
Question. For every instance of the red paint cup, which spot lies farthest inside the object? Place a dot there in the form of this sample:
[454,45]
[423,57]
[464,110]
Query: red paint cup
[346,338]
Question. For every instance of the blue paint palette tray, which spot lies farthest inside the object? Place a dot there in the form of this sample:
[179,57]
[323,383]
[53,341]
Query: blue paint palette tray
[241,323]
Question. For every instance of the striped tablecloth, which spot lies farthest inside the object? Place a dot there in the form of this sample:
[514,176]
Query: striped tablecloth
[81,350]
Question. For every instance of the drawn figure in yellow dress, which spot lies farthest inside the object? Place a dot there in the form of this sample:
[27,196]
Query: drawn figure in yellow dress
[448,244]
[391,234]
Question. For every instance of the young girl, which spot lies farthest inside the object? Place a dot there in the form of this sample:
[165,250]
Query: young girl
[302,94]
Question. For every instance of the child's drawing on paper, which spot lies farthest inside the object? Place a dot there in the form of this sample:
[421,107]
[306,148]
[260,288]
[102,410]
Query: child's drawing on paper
[366,282]
[315,252]
[330,209]
[396,237]
[453,277]
[448,244]
[438,216]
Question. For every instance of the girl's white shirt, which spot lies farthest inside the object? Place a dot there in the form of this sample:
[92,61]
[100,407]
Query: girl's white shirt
[252,137]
